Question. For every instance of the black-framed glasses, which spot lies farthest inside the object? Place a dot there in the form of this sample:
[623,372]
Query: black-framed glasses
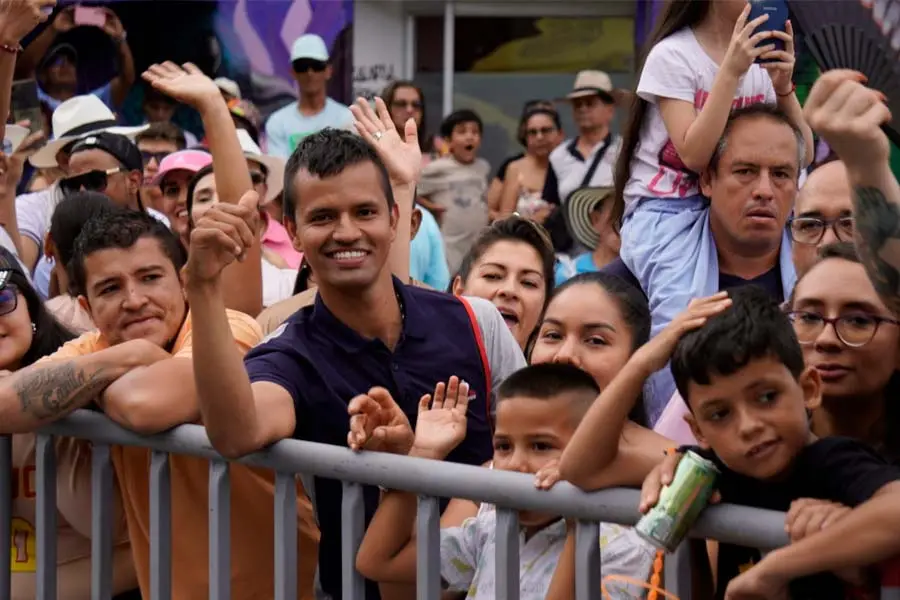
[853,329]
[92,181]
[9,299]
[148,156]
[302,65]
[811,230]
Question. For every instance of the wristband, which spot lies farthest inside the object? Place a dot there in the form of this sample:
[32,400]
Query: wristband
[11,49]
[793,89]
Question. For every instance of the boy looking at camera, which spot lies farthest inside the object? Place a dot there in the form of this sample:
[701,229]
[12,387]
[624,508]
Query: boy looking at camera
[742,376]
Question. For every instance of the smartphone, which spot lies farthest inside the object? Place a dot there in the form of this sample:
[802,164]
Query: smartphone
[25,104]
[778,17]
[89,16]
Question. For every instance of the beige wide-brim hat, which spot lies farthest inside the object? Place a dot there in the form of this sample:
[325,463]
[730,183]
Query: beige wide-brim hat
[74,119]
[577,210]
[274,165]
[594,83]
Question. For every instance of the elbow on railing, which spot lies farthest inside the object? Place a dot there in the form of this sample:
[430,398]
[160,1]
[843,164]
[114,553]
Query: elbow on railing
[232,447]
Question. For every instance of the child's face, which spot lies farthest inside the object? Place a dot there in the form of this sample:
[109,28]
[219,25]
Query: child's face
[465,141]
[530,433]
[756,419]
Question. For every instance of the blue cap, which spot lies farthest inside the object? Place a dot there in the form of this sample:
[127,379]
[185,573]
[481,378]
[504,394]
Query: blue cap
[309,46]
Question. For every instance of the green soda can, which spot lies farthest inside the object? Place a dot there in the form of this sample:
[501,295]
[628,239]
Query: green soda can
[680,503]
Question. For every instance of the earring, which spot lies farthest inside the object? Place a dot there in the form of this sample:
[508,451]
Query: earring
[33,328]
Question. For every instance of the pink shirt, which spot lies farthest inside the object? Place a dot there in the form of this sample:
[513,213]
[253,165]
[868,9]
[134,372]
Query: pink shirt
[671,423]
[277,240]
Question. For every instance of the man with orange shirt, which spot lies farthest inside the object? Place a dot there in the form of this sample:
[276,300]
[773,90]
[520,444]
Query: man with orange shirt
[138,368]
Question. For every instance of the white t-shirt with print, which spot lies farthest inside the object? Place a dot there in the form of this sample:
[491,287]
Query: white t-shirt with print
[678,68]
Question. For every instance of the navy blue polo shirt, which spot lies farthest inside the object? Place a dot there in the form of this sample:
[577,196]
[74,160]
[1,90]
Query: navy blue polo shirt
[323,364]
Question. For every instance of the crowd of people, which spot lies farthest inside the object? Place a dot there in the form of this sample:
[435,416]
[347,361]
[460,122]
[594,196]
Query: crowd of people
[587,312]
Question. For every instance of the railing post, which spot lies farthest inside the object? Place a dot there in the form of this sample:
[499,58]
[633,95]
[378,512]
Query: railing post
[160,527]
[45,459]
[101,523]
[588,572]
[285,536]
[6,491]
[678,574]
[507,554]
[352,529]
[428,549]
[219,531]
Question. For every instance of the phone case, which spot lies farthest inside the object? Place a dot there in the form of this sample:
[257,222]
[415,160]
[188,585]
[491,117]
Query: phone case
[778,17]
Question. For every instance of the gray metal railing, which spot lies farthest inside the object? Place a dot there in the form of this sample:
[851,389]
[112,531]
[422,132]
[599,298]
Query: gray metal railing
[510,492]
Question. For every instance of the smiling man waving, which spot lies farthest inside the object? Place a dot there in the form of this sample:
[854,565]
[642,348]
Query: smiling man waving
[365,329]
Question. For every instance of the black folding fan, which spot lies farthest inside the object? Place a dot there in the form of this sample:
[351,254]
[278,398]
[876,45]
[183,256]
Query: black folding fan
[863,35]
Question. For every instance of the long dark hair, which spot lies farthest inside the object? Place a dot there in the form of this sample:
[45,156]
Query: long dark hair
[635,312]
[49,334]
[677,15]
[388,93]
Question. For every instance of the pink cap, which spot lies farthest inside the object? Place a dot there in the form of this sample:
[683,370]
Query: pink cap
[184,160]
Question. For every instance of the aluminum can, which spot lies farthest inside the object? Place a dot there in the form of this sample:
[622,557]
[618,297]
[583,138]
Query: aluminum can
[680,503]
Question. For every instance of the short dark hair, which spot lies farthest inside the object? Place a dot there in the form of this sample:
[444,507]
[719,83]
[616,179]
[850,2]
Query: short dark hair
[70,217]
[753,327]
[458,118]
[151,94]
[513,229]
[327,153]
[548,381]
[757,111]
[121,229]
[163,132]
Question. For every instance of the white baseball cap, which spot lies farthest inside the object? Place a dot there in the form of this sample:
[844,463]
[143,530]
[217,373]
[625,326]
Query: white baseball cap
[309,46]
[228,86]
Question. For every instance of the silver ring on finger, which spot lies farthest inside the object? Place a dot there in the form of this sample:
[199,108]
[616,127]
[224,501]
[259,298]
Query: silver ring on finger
[378,135]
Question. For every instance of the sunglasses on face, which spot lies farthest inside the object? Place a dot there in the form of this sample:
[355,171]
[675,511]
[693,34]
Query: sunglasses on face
[149,156]
[9,299]
[92,181]
[413,104]
[307,64]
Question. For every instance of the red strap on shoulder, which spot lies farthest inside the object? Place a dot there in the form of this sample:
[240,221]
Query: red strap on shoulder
[479,339]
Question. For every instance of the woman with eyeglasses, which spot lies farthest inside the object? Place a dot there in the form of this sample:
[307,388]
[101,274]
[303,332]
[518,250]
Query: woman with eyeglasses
[405,100]
[851,338]
[495,190]
[539,133]
[28,332]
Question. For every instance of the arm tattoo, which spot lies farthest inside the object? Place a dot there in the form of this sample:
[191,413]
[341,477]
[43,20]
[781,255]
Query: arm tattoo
[878,242]
[52,391]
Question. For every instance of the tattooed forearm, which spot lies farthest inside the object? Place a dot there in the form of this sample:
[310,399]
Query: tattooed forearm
[47,392]
[878,241]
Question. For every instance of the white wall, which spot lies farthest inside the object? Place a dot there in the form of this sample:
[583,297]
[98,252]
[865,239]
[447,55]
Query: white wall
[378,45]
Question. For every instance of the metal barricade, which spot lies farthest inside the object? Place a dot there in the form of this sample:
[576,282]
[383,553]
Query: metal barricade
[509,492]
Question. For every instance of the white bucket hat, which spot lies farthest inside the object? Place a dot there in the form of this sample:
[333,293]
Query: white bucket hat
[273,164]
[76,118]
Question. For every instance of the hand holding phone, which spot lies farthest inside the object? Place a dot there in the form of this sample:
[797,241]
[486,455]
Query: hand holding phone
[89,16]
[778,13]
